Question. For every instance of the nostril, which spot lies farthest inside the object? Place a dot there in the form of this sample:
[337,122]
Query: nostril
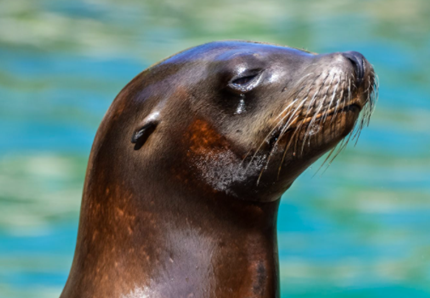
[357,61]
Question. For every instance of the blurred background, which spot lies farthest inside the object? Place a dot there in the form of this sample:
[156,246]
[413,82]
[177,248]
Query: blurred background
[360,229]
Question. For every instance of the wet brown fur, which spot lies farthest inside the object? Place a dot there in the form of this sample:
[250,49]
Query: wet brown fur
[192,213]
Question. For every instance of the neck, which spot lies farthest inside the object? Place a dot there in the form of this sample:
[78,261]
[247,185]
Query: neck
[144,247]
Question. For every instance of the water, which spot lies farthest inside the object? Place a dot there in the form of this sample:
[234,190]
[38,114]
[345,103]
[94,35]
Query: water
[360,229]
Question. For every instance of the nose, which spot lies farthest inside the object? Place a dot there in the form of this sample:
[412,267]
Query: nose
[358,61]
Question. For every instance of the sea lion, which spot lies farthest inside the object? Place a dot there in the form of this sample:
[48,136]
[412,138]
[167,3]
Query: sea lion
[189,164]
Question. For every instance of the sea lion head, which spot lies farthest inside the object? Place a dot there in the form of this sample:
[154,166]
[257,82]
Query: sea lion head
[189,163]
[243,119]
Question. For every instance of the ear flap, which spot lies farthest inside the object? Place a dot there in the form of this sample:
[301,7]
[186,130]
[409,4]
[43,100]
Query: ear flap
[141,134]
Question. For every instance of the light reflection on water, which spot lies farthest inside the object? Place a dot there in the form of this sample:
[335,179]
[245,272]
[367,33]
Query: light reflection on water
[358,230]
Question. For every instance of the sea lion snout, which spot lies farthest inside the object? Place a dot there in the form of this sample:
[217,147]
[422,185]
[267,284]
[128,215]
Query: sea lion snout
[356,76]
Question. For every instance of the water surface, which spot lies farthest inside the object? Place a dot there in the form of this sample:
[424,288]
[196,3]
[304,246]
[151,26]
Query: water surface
[360,229]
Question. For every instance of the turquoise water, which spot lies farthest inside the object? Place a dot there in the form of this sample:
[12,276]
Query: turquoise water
[360,229]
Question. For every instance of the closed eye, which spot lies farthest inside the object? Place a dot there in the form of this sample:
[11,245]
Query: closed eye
[245,81]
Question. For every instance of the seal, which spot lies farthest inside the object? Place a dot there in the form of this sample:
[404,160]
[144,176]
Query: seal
[189,164]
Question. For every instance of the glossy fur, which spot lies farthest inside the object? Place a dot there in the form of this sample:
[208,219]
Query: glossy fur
[189,208]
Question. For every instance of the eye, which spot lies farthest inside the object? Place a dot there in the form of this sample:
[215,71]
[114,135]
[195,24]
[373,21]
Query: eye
[246,81]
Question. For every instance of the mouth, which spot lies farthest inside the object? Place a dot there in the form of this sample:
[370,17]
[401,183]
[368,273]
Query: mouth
[353,107]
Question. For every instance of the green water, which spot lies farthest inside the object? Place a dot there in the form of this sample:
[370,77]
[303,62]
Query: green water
[361,229]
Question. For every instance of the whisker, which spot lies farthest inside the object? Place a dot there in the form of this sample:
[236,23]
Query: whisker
[280,121]
[319,109]
[270,133]
[301,89]
[313,120]
[286,149]
[310,105]
[313,103]
[286,127]
[331,101]
[337,101]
